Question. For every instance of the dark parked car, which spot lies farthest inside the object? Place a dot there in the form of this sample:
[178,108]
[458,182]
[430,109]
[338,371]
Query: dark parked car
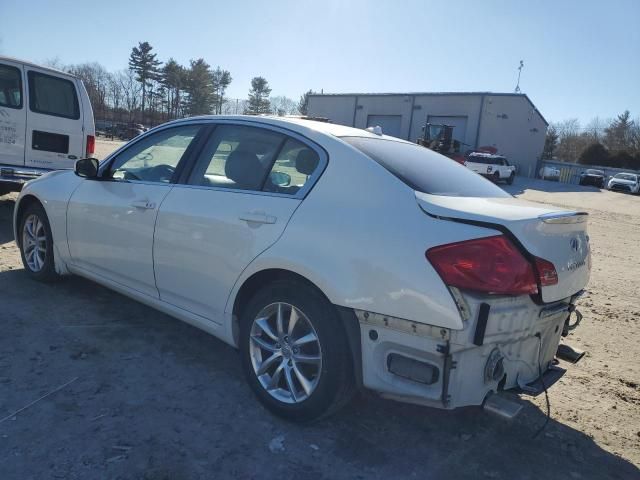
[593,177]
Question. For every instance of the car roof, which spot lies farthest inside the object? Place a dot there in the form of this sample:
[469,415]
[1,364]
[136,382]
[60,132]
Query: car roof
[486,155]
[42,67]
[299,125]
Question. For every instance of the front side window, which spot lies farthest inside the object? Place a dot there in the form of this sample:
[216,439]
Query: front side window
[53,96]
[425,170]
[10,87]
[236,156]
[154,158]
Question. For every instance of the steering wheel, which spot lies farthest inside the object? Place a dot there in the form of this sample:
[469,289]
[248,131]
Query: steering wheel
[161,172]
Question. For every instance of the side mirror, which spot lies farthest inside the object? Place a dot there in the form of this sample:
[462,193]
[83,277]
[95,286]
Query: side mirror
[87,167]
[280,179]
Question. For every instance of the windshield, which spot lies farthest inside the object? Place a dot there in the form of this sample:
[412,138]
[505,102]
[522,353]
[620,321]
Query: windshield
[595,172]
[626,176]
[425,170]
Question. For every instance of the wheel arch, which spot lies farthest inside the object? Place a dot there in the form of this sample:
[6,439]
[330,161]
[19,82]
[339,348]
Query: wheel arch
[262,277]
[24,203]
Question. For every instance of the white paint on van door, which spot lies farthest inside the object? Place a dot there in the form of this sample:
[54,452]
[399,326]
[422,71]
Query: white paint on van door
[459,124]
[55,137]
[390,124]
[13,113]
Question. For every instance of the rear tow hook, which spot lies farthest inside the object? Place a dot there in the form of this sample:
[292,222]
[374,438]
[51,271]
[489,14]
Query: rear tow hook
[569,354]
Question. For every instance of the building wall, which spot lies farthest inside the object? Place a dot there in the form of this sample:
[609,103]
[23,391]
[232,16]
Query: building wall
[508,122]
[339,109]
[513,126]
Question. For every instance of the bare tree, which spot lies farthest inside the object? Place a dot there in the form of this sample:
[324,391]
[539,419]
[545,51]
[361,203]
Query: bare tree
[281,105]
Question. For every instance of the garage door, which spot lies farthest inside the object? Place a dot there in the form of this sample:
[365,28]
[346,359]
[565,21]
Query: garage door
[459,125]
[390,124]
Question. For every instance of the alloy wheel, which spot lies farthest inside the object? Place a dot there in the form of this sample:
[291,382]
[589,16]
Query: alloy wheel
[285,352]
[34,243]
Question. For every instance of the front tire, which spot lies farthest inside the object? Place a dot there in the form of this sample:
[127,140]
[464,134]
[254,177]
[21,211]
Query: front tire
[294,352]
[510,179]
[36,244]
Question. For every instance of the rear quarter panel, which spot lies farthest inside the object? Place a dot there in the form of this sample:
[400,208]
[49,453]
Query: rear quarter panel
[361,238]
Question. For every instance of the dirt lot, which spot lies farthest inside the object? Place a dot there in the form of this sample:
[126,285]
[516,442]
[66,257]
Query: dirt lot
[146,397]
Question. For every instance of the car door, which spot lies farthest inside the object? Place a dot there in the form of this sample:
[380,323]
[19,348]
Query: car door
[236,202]
[54,121]
[110,220]
[13,114]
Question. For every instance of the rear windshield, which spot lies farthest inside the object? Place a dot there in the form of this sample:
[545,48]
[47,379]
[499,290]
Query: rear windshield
[487,160]
[424,170]
[595,172]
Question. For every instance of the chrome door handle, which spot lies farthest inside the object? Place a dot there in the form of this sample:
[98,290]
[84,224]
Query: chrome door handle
[143,204]
[257,217]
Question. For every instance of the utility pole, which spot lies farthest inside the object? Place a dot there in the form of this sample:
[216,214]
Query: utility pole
[519,72]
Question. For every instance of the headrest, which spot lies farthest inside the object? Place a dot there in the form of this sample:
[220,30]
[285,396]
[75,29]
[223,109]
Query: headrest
[244,169]
[306,161]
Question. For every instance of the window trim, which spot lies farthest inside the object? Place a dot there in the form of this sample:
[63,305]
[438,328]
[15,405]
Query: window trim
[30,76]
[19,107]
[300,194]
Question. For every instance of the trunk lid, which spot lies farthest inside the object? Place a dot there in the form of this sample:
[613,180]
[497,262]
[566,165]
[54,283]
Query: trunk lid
[552,233]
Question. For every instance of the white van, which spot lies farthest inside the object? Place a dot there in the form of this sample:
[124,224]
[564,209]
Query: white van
[46,122]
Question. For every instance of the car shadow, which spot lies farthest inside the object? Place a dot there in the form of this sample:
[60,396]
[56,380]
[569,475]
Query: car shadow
[522,184]
[7,203]
[172,402]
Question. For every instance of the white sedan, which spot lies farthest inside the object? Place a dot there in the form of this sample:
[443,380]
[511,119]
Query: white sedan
[331,257]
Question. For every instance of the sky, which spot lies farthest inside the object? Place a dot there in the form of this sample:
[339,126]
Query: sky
[581,58]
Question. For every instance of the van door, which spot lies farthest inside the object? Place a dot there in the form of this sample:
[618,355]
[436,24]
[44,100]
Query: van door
[54,120]
[13,113]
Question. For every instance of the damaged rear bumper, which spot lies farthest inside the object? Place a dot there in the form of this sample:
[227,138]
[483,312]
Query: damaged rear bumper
[506,343]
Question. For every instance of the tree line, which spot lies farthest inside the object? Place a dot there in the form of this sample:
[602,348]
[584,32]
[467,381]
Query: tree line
[150,91]
[609,143]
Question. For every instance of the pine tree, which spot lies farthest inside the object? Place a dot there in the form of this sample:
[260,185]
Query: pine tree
[200,88]
[145,66]
[303,105]
[221,80]
[258,102]
[173,78]
[550,143]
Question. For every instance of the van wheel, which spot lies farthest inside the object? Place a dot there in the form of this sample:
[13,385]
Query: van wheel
[36,244]
[294,352]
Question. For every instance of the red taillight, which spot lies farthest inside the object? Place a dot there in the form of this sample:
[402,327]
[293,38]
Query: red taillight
[91,145]
[546,272]
[491,265]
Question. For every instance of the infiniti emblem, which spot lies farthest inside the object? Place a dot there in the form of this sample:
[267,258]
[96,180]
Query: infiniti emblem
[575,244]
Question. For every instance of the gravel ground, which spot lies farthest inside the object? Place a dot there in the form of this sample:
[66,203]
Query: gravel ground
[138,395]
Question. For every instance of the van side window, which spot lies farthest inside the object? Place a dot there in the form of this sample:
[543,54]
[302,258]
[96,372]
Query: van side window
[53,96]
[10,87]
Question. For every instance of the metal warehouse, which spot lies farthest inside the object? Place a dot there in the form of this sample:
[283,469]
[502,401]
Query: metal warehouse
[510,122]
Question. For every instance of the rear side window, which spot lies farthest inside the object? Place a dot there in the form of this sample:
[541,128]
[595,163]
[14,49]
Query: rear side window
[424,170]
[10,87]
[53,96]
[237,157]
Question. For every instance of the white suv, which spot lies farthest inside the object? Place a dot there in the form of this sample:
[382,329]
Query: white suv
[46,122]
[494,167]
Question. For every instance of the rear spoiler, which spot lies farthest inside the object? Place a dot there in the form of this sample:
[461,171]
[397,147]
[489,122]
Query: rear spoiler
[564,217]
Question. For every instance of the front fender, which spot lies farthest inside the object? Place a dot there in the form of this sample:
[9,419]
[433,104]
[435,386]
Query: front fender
[53,192]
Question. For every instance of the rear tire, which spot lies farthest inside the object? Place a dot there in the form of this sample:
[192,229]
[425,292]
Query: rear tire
[36,244]
[496,177]
[301,371]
